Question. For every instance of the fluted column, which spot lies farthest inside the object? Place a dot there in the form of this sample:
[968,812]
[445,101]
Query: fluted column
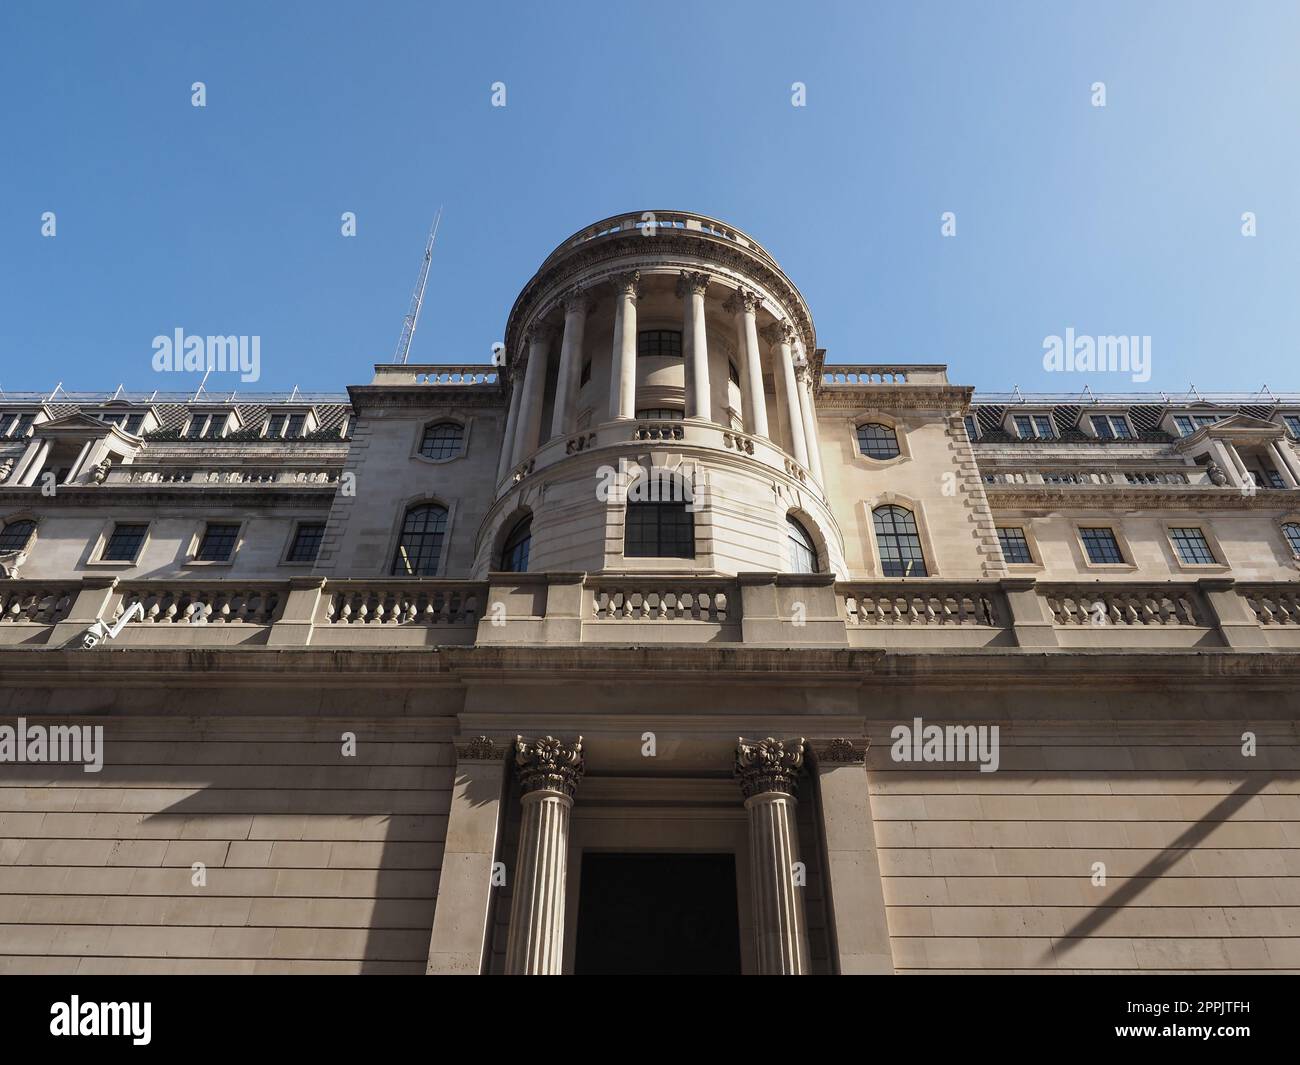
[576,305]
[692,286]
[622,376]
[530,411]
[744,304]
[549,771]
[767,771]
[511,428]
[804,381]
[781,336]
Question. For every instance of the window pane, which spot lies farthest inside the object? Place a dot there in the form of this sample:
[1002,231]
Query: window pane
[1293,424]
[1015,548]
[442,441]
[667,414]
[1119,425]
[420,544]
[15,535]
[800,552]
[125,543]
[195,429]
[971,431]
[218,543]
[660,342]
[899,542]
[1184,425]
[296,422]
[877,441]
[1043,426]
[1024,427]
[306,542]
[1291,530]
[1192,547]
[518,545]
[658,530]
[1101,545]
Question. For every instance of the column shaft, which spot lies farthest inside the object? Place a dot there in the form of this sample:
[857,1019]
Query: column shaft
[536,943]
[1283,467]
[745,305]
[778,902]
[804,379]
[622,376]
[576,305]
[511,429]
[695,341]
[530,413]
[781,336]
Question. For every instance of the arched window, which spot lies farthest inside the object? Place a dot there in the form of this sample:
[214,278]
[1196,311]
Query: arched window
[899,542]
[420,545]
[800,551]
[442,441]
[1291,530]
[16,535]
[514,552]
[878,441]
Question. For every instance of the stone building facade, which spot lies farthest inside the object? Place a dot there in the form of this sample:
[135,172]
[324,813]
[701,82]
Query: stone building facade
[628,654]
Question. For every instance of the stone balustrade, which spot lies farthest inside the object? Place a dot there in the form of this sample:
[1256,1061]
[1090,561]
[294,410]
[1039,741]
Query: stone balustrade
[761,609]
[438,374]
[133,474]
[1085,478]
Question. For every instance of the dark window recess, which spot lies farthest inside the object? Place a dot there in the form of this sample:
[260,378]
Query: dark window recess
[218,543]
[1015,548]
[514,552]
[658,530]
[1291,530]
[15,535]
[585,376]
[664,343]
[420,545]
[663,414]
[733,375]
[442,441]
[1101,545]
[125,543]
[878,441]
[899,543]
[306,542]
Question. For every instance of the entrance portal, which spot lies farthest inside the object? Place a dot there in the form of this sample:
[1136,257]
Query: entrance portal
[658,914]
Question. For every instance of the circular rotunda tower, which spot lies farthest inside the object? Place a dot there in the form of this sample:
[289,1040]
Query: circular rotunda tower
[661,418]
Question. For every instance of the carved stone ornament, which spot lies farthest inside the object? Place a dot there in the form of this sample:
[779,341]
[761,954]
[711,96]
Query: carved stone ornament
[779,332]
[840,751]
[6,468]
[628,284]
[1217,476]
[101,470]
[743,300]
[480,749]
[768,765]
[577,301]
[549,764]
[693,282]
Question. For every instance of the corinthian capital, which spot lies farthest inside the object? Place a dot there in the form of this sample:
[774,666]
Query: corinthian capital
[743,300]
[578,300]
[540,333]
[780,332]
[692,282]
[628,284]
[549,764]
[768,765]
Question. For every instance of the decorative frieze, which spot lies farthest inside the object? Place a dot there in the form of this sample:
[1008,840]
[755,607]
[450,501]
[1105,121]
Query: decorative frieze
[480,749]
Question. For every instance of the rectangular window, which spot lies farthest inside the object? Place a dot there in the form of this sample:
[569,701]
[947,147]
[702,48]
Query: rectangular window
[1024,427]
[1184,424]
[659,342]
[1112,427]
[1192,548]
[1015,548]
[133,423]
[1274,479]
[1043,427]
[306,542]
[659,530]
[218,543]
[124,544]
[296,423]
[275,424]
[1292,422]
[1101,546]
[972,433]
[196,427]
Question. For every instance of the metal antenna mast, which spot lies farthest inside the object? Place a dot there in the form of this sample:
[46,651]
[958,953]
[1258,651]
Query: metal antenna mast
[413,315]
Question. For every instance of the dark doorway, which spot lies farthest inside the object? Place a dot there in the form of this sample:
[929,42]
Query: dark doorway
[658,914]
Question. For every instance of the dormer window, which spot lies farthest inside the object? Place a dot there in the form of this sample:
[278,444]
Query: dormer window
[1187,424]
[972,428]
[285,425]
[14,424]
[1292,423]
[1034,427]
[128,421]
[1111,427]
[207,425]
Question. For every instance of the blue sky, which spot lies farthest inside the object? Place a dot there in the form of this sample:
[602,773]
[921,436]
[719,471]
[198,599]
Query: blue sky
[226,219]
